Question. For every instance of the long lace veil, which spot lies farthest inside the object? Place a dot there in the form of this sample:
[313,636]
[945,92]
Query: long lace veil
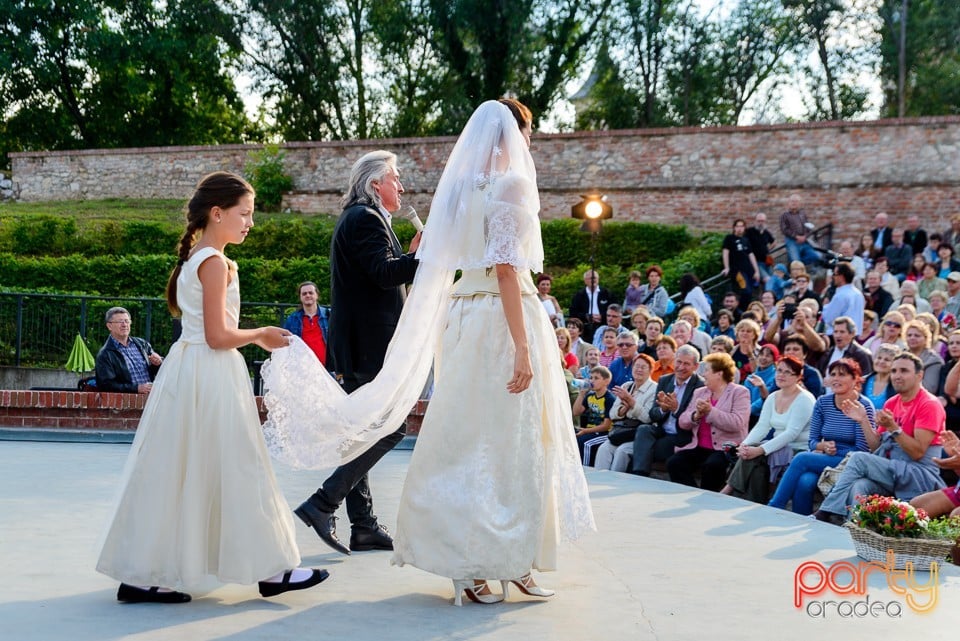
[312,423]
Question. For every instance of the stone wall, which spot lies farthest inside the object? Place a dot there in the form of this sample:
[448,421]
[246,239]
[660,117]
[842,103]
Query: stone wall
[845,172]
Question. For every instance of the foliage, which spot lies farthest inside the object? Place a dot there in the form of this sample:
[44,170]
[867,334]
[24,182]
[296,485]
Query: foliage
[266,173]
[102,73]
[932,56]
[889,516]
[944,527]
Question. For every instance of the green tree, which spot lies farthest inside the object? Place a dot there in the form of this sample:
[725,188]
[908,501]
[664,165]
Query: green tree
[931,56]
[108,73]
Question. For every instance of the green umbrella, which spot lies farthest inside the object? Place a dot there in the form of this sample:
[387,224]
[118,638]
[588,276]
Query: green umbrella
[80,359]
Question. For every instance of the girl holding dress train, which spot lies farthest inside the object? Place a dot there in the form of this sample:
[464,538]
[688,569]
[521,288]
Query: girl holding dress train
[199,503]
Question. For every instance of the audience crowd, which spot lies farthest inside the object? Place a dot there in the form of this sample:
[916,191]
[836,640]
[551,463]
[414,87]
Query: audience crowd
[805,384]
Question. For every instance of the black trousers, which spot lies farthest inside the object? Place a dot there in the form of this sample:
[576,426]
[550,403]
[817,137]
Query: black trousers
[350,481]
[712,465]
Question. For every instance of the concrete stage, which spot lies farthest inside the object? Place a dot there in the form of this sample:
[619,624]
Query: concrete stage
[667,563]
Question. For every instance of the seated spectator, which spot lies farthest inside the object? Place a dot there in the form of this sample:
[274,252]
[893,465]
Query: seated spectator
[952,401]
[593,406]
[907,438]
[747,348]
[802,289]
[549,302]
[865,250]
[769,302]
[731,303]
[837,426]
[844,331]
[666,356]
[621,369]
[848,255]
[909,296]
[638,323]
[931,253]
[908,311]
[887,280]
[947,500]
[590,304]
[590,360]
[760,382]
[631,409]
[783,428]
[608,350]
[698,338]
[778,281]
[631,297]
[692,294]
[717,414]
[945,260]
[794,226]
[653,295]
[657,440]
[614,321]
[953,292]
[310,321]
[682,333]
[812,379]
[578,346]
[915,272]
[929,283]
[938,307]
[125,363]
[869,329]
[570,360]
[724,322]
[919,339]
[802,324]
[877,386]
[720,345]
[762,316]
[898,255]
[652,332]
[875,296]
[937,342]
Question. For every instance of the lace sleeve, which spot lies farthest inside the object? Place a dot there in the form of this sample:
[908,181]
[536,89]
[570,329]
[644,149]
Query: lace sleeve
[509,226]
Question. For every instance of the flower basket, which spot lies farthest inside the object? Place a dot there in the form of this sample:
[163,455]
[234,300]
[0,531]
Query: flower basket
[921,553]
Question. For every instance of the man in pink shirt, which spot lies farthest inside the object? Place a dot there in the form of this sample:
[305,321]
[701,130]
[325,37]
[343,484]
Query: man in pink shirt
[904,444]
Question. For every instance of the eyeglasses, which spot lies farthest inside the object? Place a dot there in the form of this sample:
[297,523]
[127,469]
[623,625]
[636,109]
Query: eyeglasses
[892,324]
[118,322]
[625,344]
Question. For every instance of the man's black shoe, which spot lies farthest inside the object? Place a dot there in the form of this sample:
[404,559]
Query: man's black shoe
[362,540]
[324,523]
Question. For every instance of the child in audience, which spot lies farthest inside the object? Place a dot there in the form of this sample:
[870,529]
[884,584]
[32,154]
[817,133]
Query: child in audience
[593,406]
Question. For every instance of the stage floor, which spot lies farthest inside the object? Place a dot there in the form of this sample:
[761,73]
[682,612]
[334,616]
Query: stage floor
[667,563]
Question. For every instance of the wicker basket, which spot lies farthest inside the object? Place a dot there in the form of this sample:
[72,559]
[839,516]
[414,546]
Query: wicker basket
[920,552]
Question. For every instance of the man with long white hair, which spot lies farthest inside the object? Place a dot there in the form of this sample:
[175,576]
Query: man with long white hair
[368,271]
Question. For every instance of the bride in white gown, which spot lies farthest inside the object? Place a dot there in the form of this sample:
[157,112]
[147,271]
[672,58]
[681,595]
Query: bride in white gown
[481,496]
[495,481]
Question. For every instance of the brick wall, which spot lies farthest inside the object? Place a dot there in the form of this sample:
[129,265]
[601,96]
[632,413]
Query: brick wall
[702,177]
[102,410]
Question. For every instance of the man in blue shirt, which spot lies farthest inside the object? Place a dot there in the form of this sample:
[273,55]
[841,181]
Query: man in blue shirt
[621,369]
[847,300]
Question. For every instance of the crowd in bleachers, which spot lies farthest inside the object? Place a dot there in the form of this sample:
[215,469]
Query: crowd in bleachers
[826,376]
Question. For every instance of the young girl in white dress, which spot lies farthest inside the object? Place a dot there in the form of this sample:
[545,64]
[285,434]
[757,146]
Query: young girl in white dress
[200,504]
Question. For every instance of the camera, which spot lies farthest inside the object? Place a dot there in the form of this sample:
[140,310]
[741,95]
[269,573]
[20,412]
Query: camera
[789,311]
[831,258]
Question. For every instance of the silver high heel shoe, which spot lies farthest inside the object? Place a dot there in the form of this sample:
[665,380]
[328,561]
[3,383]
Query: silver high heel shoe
[473,589]
[527,585]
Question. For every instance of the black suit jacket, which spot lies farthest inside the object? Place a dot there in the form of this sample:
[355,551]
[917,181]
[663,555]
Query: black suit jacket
[885,241]
[667,384]
[916,239]
[580,307]
[878,301]
[854,351]
[368,270]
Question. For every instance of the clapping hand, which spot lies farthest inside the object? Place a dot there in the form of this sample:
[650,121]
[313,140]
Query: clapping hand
[951,444]
[854,410]
[886,420]
[667,401]
[703,407]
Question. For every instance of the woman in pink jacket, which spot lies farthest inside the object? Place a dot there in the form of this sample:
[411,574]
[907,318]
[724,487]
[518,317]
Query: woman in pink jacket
[717,415]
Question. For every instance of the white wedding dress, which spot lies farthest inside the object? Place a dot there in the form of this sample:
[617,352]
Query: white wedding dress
[492,471]
[199,503]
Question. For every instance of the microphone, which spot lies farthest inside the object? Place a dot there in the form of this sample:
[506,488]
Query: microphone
[410,214]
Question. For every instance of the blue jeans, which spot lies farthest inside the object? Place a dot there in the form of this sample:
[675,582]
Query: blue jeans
[799,482]
[801,251]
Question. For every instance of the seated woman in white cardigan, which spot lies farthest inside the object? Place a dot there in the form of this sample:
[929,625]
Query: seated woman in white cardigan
[782,429]
[631,409]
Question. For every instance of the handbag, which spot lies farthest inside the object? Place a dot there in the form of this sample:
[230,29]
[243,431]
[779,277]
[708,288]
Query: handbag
[623,431]
[829,475]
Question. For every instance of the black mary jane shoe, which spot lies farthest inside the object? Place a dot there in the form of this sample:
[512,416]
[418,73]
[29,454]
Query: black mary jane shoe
[271,588]
[130,594]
